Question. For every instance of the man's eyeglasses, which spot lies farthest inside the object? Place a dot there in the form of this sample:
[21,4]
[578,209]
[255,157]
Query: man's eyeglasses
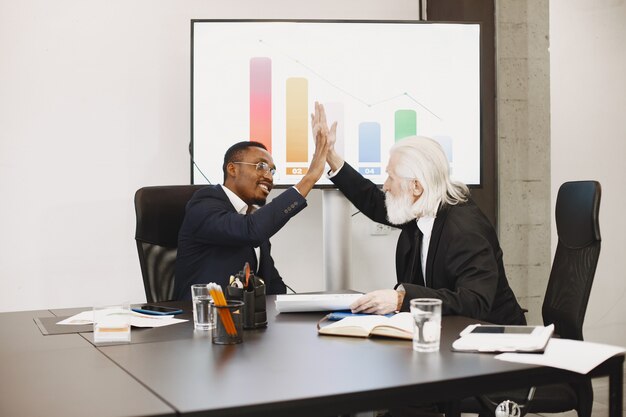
[264,167]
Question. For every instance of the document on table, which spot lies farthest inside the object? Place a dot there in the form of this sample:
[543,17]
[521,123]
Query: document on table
[571,355]
[136,320]
[292,303]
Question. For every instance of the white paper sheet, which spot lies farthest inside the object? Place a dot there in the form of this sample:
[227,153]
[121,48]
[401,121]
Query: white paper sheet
[136,320]
[572,355]
[291,303]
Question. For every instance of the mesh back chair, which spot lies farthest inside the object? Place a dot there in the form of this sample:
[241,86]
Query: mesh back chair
[565,301]
[160,211]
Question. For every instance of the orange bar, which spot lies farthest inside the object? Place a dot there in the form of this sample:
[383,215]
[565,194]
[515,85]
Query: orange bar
[297,120]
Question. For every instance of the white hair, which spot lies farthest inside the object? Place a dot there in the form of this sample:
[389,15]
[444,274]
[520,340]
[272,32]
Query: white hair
[423,159]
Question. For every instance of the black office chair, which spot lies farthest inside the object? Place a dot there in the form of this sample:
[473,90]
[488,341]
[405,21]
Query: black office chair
[160,211]
[565,302]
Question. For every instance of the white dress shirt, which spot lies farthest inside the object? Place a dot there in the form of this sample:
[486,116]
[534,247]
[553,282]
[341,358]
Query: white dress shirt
[242,208]
[425,224]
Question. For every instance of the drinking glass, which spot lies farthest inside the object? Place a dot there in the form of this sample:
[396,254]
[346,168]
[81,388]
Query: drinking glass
[426,314]
[202,314]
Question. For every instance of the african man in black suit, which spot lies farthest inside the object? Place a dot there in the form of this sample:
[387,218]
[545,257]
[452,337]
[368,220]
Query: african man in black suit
[230,224]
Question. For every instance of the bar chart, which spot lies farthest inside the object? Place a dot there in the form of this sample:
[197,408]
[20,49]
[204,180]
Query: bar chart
[259,81]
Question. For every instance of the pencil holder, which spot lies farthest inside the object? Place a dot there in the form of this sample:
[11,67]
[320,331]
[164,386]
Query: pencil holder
[228,323]
[254,309]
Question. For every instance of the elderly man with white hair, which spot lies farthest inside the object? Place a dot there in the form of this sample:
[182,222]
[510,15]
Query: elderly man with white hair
[447,249]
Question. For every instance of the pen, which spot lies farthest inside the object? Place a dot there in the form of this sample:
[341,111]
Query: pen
[246,269]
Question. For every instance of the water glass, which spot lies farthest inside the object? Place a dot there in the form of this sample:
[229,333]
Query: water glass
[202,314]
[426,314]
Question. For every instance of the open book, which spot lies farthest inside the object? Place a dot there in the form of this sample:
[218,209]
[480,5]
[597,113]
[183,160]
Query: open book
[398,326]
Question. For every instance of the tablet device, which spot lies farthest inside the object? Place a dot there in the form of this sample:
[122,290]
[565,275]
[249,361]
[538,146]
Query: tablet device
[493,329]
[497,338]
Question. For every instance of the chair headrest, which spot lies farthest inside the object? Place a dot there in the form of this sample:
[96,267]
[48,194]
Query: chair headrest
[160,212]
[577,209]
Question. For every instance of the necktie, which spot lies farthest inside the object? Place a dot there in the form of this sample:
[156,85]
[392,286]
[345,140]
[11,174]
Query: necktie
[416,269]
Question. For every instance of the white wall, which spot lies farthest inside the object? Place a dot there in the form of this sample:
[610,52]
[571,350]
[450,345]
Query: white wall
[588,105]
[94,104]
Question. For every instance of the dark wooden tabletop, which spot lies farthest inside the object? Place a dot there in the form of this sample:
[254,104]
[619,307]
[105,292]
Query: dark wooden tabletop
[285,369]
[63,375]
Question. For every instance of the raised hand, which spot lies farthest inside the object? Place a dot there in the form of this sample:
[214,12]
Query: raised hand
[319,126]
[321,136]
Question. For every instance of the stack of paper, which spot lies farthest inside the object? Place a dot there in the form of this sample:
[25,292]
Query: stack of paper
[291,303]
[136,319]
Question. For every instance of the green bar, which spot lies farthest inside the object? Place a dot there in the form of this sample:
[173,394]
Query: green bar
[406,124]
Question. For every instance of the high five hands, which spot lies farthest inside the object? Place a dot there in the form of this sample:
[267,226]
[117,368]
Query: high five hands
[322,146]
[325,139]
[319,126]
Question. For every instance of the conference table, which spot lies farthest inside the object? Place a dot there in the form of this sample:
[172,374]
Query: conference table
[286,369]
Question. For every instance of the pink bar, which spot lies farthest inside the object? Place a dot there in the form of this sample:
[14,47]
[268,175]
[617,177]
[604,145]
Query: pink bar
[261,101]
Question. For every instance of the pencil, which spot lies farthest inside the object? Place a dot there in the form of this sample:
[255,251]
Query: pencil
[218,298]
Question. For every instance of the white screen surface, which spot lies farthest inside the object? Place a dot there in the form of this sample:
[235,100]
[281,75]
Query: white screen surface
[381,81]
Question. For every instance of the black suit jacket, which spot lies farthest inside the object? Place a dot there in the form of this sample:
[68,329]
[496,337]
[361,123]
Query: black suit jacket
[464,265]
[215,241]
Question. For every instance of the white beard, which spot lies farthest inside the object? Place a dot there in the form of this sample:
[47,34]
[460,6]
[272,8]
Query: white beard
[399,209]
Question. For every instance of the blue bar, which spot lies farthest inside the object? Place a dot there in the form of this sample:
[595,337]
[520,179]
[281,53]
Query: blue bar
[369,142]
